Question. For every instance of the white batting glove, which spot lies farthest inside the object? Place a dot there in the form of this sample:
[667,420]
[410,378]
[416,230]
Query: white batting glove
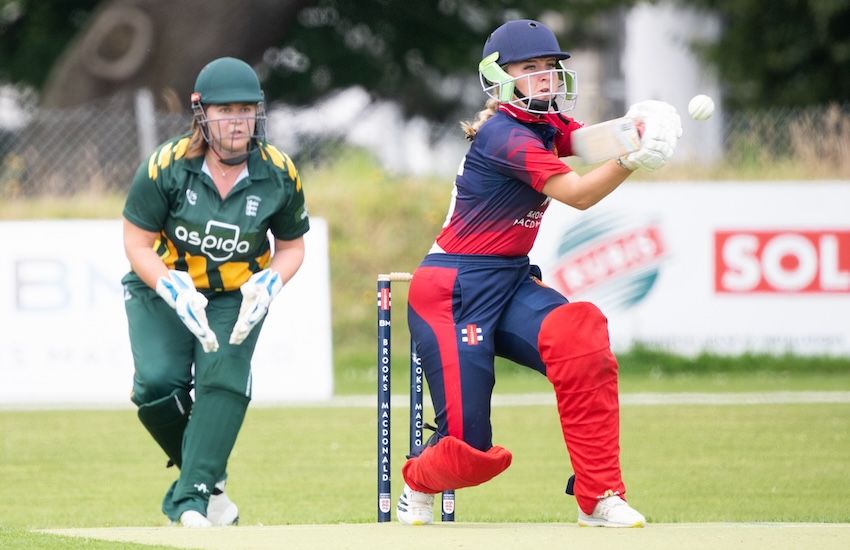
[257,293]
[662,129]
[178,291]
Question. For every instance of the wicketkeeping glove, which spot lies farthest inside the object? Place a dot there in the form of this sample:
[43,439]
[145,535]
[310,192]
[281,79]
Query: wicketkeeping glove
[178,291]
[662,129]
[257,293]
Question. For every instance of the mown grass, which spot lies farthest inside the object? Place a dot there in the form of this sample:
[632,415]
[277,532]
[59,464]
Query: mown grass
[23,539]
[317,465]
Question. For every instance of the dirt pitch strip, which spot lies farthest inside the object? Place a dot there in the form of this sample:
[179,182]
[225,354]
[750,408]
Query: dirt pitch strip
[493,536]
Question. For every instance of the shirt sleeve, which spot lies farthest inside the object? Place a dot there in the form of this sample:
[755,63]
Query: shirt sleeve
[291,220]
[565,126]
[521,155]
[147,204]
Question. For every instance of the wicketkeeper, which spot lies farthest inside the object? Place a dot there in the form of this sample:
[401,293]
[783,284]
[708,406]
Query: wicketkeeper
[196,231]
[475,295]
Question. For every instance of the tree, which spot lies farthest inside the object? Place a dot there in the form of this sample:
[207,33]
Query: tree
[161,45]
[797,52]
[33,34]
[415,53]
[786,53]
[412,52]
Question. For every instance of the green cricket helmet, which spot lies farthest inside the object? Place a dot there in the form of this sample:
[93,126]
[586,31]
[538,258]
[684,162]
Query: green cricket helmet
[228,80]
[224,81]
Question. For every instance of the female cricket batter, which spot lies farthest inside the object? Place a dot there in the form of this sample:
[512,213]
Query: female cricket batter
[196,225]
[475,295]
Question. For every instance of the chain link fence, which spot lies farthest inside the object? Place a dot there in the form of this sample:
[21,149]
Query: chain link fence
[98,147]
[816,138]
[62,152]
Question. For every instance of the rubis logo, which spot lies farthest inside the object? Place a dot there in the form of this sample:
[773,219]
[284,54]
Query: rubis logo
[612,259]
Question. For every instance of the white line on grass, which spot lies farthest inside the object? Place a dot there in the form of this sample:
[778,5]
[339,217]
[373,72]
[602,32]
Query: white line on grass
[533,399]
[513,400]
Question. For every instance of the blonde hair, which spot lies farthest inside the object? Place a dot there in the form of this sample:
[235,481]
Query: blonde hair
[471,128]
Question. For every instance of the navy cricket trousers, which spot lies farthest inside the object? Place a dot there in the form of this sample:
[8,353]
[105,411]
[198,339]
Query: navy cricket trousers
[463,310]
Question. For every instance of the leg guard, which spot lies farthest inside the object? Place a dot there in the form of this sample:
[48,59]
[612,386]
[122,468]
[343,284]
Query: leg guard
[453,464]
[166,420]
[216,420]
[574,346]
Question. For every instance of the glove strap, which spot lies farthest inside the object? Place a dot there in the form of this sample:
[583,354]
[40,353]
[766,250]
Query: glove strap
[172,285]
[624,163]
[269,280]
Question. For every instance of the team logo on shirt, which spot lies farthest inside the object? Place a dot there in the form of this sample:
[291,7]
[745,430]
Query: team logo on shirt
[471,334]
[191,196]
[252,203]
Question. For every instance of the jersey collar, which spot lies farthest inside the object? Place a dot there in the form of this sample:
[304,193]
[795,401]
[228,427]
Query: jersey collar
[205,168]
[257,168]
[519,114]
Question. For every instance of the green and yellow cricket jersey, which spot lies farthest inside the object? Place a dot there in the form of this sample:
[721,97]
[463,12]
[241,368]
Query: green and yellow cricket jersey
[221,242]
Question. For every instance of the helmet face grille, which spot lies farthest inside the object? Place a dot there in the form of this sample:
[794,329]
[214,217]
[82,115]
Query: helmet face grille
[501,86]
[204,122]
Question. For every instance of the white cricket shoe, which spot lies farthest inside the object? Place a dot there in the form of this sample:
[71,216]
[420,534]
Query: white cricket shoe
[612,511]
[194,519]
[221,510]
[415,508]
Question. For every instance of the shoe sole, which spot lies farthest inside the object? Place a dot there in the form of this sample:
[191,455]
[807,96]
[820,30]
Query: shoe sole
[585,523]
[230,516]
[224,522]
[235,521]
[411,522]
[415,522]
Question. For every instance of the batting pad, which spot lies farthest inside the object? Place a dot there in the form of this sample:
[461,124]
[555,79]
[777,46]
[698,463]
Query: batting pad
[453,464]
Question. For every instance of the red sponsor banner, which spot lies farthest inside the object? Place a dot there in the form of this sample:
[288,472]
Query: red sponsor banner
[607,258]
[790,262]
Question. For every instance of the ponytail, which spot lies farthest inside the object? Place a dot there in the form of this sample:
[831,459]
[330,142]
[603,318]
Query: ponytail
[471,128]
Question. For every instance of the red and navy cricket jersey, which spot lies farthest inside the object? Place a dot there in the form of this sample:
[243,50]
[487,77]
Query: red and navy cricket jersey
[497,203]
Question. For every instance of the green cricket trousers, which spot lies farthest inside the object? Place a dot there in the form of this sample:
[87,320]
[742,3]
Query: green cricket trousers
[197,437]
